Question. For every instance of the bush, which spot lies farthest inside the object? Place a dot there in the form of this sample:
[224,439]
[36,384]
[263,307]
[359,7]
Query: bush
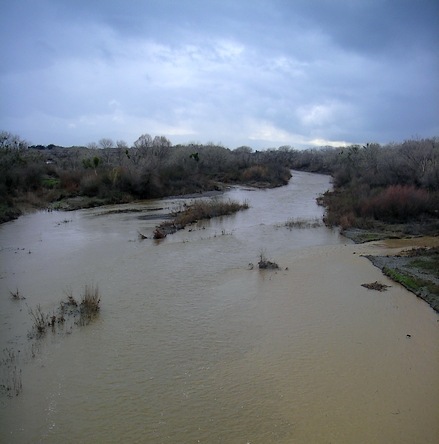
[90,185]
[396,203]
[255,173]
[40,320]
[90,299]
[70,180]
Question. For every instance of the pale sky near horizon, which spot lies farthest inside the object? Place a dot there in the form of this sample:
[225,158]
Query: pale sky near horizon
[262,73]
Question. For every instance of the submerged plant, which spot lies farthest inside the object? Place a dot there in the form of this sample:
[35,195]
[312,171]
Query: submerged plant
[71,301]
[10,383]
[16,295]
[303,223]
[89,306]
[40,320]
[265,264]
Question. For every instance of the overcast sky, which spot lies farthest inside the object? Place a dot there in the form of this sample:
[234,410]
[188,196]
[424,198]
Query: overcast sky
[263,73]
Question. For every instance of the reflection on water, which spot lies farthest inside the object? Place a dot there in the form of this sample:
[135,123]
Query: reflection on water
[193,346]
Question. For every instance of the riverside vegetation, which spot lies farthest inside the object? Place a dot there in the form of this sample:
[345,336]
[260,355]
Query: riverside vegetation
[379,191]
[199,210]
[376,187]
[82,312]
[76,177]
[69,313]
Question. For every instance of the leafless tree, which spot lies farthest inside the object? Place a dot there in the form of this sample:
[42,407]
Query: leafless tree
[106,143]
[12,141]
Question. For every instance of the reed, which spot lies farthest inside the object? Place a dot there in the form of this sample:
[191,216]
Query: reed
[40,320]
[89,306]
[303,223]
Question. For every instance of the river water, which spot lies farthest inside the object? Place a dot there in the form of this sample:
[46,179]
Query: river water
[194,345]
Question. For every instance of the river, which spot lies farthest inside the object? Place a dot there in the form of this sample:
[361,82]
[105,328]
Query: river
[195,344]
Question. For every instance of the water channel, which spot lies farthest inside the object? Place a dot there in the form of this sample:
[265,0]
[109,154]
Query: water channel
[193,344]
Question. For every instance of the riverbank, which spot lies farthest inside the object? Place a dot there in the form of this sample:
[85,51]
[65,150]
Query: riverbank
[412,262]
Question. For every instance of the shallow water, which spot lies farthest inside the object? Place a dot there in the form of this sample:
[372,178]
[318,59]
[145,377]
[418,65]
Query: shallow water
[192,345]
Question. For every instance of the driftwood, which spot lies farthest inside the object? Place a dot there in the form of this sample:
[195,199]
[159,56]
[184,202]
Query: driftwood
[267,265]
[376,286]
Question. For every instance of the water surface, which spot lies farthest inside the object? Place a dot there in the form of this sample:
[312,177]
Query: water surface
[194,345]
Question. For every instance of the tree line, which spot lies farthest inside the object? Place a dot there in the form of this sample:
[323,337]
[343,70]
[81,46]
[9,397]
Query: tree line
[393,182]
[113,172]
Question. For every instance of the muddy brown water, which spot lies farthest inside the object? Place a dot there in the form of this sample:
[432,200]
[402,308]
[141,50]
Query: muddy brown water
[192,345]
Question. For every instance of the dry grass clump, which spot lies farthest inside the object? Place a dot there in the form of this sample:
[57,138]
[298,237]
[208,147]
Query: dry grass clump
[90,299]
[40,320]
[80,313]
[207,210]
[89,306]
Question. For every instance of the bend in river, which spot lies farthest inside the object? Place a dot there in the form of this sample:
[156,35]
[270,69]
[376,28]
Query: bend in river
[193,344]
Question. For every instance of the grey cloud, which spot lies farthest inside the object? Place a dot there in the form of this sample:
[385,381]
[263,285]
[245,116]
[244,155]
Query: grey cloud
[256,73]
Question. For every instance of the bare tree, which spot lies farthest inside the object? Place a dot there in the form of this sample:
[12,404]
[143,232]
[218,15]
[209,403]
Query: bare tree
[143,142]
[106,143]
[121,144]
[92,146]
[12,141]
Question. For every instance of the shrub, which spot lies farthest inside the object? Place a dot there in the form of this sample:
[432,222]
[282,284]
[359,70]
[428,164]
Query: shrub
[255,173]
[70,180]
[90,185]
[90,300]
[396,203]
[40,320]
[89,306]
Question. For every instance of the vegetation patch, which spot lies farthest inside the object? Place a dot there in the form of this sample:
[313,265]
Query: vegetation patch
[416,270]
[303,223]
[108,173]
[265,264]
[410,282]
[10,374]
[199,210]
[50,182]
[16,295]
[80,313]
[40,321]
[89,306]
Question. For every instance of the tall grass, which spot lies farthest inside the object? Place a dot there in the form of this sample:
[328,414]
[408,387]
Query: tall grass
[40,320]
[208,209]
[303,223]
[199,210]
[89,305]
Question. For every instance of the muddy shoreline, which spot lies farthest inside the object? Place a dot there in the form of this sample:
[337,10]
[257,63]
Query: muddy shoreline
[414,266]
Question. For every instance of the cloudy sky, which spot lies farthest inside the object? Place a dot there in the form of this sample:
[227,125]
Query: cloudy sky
[263,73]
